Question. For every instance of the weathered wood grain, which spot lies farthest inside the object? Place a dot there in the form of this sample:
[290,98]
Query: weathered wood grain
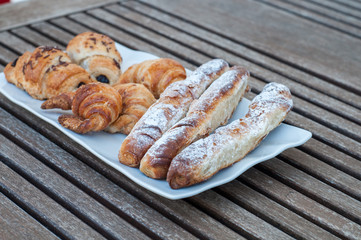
[43,207]
[237,49]
[65,193]
[22,13]
[298,89]
[297,202]
[285,219]
[15,223]
[317,190]
[279,34]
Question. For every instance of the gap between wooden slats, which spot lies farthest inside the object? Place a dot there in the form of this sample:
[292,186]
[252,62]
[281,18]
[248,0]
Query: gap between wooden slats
[299,203]
[349,4]
[200,20]
[322,11]
[15,223]
[336,8]
[105,191]
[315,16]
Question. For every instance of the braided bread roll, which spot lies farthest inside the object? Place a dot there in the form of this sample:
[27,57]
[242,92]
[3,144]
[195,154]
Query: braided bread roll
[136,101]
[94,107]
[156,74]
[97,54]
[45,73]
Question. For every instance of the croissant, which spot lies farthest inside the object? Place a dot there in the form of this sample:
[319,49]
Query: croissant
[46,72]
[97,54]
[94,107]
[136,101]
[156,74]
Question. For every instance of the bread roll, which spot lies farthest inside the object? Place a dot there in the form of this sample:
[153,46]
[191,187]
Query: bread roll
[213,108]
[156,75]
[45,73]
[97,54]
[229,144]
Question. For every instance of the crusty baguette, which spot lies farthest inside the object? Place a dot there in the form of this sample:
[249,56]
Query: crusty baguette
[213,108]
[229,144]
[172,106]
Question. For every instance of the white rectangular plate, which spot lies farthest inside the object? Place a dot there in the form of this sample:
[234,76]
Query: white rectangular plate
[106,146]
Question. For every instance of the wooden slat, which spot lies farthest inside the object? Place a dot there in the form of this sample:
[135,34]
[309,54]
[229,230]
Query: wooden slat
[119,36]
[238,21]
[41,206]
[301,204]
[33,37]
[287,220]
[324,172]
[114,197]
[333,157]
[17,224]
[238,217]
[336,8]
[79,203]
[22,13]
[317,190]
[244,52]
[6,55]
[18,45]
[330,20]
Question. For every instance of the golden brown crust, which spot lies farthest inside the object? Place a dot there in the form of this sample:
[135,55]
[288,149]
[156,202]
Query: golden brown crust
[94,106]
[205,157]
[136,101]
[213,108]
[172,106]
[97,54]
[62,101]
[156,74]
[14,71]
[47,72]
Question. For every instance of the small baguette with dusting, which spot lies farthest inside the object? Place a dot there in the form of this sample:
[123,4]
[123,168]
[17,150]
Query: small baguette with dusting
[172,106]
[213,108]
[229,144]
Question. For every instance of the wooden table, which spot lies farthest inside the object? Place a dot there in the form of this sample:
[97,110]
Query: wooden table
[51,187]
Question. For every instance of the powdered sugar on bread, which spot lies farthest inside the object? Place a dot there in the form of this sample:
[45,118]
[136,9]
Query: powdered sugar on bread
[231,143]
